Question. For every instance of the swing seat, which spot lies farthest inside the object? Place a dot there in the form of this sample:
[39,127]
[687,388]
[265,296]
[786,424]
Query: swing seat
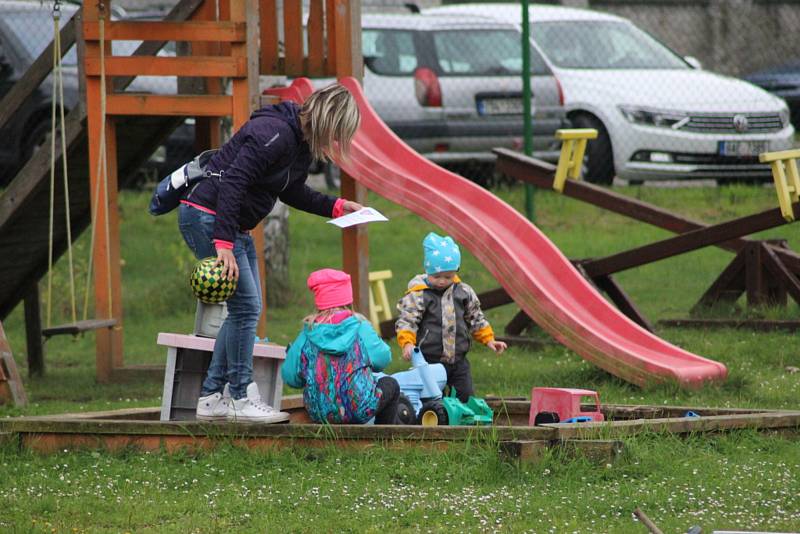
[78,327]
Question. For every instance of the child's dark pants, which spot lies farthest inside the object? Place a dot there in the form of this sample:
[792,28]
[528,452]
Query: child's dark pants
[386,412]
[459,376]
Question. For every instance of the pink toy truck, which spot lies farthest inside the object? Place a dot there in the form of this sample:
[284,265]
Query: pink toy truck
[563,405]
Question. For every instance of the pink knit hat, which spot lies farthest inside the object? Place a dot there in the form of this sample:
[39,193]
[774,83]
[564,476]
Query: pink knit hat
[331,288]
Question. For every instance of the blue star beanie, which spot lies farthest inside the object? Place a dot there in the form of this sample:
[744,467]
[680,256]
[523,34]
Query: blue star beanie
[441,254]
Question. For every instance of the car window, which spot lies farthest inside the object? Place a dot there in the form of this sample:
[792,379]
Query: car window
[483,52]
[603,45]
[389,51]
[34,31]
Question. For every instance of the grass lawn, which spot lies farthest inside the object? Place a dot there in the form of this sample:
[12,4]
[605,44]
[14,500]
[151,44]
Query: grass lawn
[737,481]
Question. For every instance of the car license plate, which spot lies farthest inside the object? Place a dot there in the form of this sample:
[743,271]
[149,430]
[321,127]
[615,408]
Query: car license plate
[742,148]
[500,106]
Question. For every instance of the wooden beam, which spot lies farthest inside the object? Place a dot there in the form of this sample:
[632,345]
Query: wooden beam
[168,31]
[755,282]
[78,327]
[9,371]
[173,105]
[330,35]
[687,242]
[355,247]
[268,24]
[103,191]
[622,301]
[293,37]
[785,278]
[169,66]
[494,298]
[540,173]
[182,11]
[41,67]
[316,39]
[26,181]
[518,324]
[760,325]
[728,286]
[33,332]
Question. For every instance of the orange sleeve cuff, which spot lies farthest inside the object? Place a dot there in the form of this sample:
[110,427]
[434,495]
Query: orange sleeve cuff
[484,335]
[404,337]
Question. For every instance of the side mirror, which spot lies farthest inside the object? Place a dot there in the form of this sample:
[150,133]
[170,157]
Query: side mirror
[693,62]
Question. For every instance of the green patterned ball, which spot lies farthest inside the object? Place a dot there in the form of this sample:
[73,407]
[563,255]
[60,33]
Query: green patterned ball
[208,283]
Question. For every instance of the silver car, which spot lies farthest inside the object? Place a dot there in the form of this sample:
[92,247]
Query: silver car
[450,86]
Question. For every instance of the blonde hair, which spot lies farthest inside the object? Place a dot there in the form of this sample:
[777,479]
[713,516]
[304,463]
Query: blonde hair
[329,119]
[325,316]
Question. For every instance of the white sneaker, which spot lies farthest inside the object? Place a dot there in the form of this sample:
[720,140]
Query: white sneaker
[252,409]
[212,407]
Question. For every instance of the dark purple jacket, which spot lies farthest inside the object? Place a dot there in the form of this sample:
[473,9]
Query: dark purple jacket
[267,159]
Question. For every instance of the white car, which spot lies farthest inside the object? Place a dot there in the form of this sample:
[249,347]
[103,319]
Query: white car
[659,115]
[450,87]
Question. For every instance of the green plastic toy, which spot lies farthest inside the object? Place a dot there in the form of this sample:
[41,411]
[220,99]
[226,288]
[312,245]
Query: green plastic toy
[451,411]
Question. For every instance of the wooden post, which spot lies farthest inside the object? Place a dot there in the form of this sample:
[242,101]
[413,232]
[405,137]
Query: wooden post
[206,129]
[348,61]
[245,99]
[33,332]
[754,275]
[9,377]
[108,275]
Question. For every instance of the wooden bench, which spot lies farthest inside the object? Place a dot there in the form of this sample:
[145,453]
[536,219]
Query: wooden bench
[188,358]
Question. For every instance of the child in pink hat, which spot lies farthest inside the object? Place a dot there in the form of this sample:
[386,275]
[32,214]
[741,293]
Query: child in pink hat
[334,356]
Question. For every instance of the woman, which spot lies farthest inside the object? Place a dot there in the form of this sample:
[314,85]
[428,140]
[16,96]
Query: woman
[267,159]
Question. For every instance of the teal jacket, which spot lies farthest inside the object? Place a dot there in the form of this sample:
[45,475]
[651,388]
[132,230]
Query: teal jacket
[334,365]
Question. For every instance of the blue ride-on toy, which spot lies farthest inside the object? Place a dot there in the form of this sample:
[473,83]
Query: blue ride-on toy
[422,402]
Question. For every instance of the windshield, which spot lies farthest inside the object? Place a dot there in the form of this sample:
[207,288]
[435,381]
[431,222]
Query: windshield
[603,45]
[483,52]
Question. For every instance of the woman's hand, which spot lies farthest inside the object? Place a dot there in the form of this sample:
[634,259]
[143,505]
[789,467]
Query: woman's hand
[408,348]
[497,346]
[350,206]
[230,269]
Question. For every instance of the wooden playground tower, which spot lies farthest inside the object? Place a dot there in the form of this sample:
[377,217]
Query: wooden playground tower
[231,39]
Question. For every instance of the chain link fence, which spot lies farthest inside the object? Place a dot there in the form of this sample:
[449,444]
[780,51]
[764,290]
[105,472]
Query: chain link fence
[677,90]
[26,29]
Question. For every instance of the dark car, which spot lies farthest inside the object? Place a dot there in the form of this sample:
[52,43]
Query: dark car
[782,81]
[25,30]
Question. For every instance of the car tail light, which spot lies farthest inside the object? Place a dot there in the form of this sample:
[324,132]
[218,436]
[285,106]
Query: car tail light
[441,147]
[560,93]
[427,88]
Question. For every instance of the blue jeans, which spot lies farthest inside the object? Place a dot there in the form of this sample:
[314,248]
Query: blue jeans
[232,360]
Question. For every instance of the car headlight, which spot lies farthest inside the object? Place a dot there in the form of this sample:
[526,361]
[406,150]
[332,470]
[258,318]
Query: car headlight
[650,117]
[785,116]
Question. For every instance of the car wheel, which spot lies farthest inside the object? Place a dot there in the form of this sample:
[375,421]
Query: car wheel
[405,411]
[599,158]
[432,413]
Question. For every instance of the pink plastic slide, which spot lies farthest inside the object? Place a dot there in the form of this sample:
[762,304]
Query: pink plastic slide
[539,278]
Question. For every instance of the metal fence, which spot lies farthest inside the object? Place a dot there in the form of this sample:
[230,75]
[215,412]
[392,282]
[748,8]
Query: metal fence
[671,85]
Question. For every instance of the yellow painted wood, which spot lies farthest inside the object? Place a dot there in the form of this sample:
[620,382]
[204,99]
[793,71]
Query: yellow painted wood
[767,157]
[786,178]
[573,147]
[379,308]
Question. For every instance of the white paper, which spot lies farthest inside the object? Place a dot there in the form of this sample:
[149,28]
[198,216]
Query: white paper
[362,216]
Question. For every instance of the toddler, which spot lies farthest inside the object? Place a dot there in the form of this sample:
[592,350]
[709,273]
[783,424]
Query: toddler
[334,357]
[441,314]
